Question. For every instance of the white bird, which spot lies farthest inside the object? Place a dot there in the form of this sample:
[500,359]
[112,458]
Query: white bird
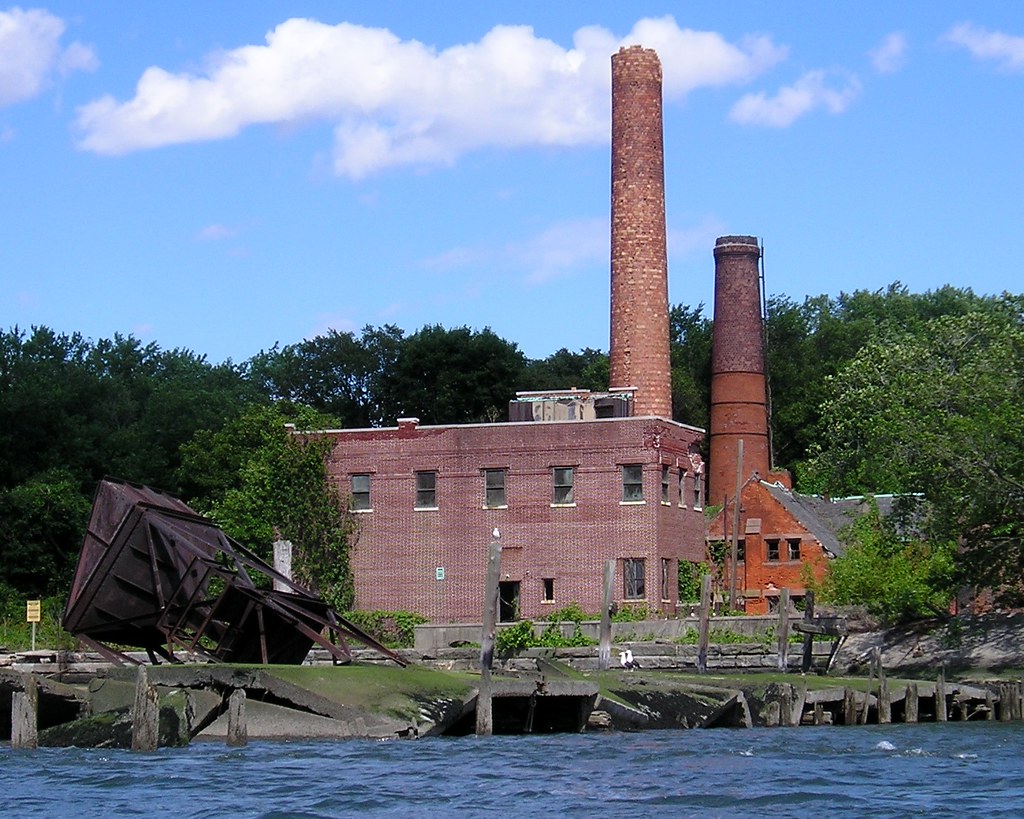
[496,534]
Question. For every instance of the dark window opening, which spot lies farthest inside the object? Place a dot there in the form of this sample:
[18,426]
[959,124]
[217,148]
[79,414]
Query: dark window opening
[772,547]
[563,478]
[426,490]
[793,544]
[494,488]
[633,578]
[698,491]
[632,483]
[549,589]
[666,490]
[508,601]
[360,498]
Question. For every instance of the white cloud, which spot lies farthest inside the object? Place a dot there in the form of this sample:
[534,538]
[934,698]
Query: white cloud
[891,54]
[1006,49]
[792,102]
[399,102]
[216,233]
[30,53]
[563,249]
[697,238]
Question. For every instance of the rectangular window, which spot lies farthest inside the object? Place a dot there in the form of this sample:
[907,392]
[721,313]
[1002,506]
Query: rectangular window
[698,491]
[494,488]
[549,589]
[666,573]
[563,477]
[633,578]
[682,488]
[772,548]
[360,497]
[426,490]
[666,481]
[793,544]
[741,550]
[632,483]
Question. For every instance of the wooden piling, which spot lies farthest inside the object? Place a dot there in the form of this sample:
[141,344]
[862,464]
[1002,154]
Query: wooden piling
[786,705]
[145,714]
[990,705]
[238,727]
[911,703]
[819,714]
[1005,709]
[941,714]
[782,629]
[484,713]
[805,662]
[25,714]
[604,653]
[849,707]
[704,627]
[1017,691]
[884,702]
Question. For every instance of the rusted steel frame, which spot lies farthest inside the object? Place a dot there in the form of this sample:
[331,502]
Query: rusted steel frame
[189,605]
[201,652]
[256,562]
[315,636]
[154,570]
[229,582]
[108,654]
[340,626]
[335,630]
[106,562]
[263,636]
[236,629]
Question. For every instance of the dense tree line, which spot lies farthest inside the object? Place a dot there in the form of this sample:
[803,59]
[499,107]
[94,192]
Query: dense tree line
[840,369]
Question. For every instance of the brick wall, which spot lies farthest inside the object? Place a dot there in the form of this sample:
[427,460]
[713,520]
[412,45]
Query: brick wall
[639,267]
[758,578]
[399,549]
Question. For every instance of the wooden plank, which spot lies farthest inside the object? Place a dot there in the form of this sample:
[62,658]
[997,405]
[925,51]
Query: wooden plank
[705,624]
[25,714]
[911,703]
[484,712]
[782,629]
[145,714]
[604,652]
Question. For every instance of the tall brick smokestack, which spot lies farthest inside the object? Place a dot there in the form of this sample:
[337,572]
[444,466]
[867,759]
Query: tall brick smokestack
[739,407]
[639,264]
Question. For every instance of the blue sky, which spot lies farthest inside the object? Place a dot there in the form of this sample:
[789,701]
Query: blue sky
[224,176]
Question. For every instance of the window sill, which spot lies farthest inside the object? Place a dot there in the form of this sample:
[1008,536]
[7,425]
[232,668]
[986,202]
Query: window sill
[563,506]
[632,503]
[495,507]
[425,509]
[361,511]
[666,503]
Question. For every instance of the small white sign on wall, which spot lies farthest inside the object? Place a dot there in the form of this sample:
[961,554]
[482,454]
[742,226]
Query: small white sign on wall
[439,573]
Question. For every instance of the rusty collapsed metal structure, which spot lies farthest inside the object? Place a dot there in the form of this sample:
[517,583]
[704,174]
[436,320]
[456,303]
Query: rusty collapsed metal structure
[156,575]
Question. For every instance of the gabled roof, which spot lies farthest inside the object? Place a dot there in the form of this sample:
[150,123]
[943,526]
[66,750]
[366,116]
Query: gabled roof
[822,518]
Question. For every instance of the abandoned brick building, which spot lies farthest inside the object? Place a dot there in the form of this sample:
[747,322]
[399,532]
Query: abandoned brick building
[573,479]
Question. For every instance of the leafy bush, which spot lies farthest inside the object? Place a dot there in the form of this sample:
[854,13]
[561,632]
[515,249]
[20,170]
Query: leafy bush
[394,629]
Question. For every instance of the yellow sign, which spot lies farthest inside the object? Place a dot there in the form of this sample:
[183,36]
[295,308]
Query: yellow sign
[33,610]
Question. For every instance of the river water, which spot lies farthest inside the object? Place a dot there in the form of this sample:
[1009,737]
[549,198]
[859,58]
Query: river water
[934,770]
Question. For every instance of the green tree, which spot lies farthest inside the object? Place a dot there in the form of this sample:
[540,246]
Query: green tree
[940,412]
[690,350]
[564,369]
[898,578]
[261,483]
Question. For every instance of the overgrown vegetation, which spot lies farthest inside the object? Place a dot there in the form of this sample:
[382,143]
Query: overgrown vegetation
[523,634]
[394,629]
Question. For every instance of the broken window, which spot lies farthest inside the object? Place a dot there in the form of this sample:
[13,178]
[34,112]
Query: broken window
[666,490]
[772,547]
[549,590]
[494,488]
[426,490]
[632,483]
[698,490]
[741,550]
[666,566]
[682,488]
[360,496]
[793,545]
[563,478]
[633,577]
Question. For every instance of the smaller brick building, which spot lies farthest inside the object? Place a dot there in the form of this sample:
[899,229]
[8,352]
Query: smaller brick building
[566,495]
[783,536]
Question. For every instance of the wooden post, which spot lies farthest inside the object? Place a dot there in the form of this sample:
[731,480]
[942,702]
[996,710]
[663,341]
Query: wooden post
[819,714]
[990,705]
[808,658]
[1017,690]
[1005,710]
[604,654]
[849,707]
[867,694]
[484,714]
[786,697]
[782,629]
[734,551]
[238,727]
[25,714]
[705,624]
[910,703]
[940,698]
[145,714]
